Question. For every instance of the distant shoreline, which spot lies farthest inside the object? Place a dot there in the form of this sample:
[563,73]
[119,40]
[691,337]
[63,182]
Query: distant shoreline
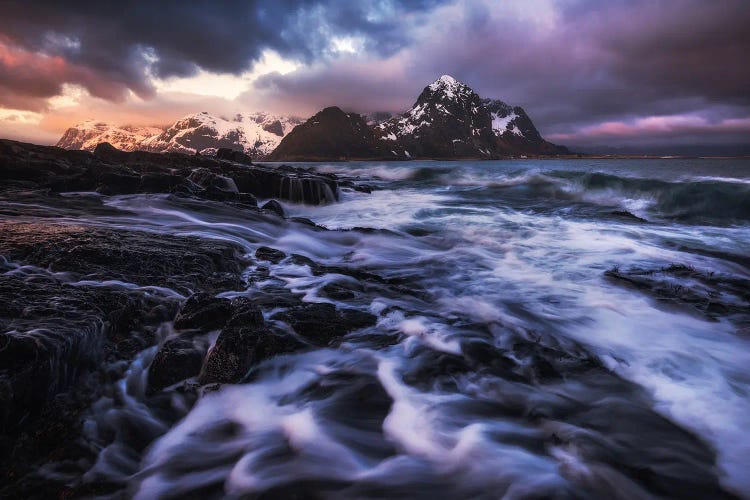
[515,158]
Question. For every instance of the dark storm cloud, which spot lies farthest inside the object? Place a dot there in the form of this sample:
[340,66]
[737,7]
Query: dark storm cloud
[126,43]
[573,64]
[590,62]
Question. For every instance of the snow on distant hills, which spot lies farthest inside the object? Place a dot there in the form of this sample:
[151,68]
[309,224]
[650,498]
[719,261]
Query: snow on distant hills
[257,134]
[88,134]
[448,120]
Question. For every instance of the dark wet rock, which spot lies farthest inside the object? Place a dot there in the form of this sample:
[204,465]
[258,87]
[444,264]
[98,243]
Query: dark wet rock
[435,369]
[361,277]
[112,183]
[622,431]
[239,348]
[79,311]
[54,333]
[711,294]
[271,297]
[159,182]
[176,360]
[305,221]
[353,400]
[110,171]
[339,291]
[301,260]
[245,341]
[625,215]
[203,311]
[107,151]
[270,254]
[323,323]
[247,200]
[274,343]
[147,259]
[526,362]
[482,355]
[275,207]
[245,312]
[234,155]
[211,180]
[230,358]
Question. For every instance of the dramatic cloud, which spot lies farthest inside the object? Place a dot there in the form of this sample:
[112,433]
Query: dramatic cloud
[579,67]
[570,64]
[28,77]
[658,128]
[128,44]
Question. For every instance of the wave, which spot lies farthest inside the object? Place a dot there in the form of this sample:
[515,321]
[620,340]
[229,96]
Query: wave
[688,201]
[383,172]
[695,200]
[719,179]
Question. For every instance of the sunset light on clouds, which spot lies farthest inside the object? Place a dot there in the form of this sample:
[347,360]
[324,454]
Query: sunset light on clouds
[627,71]
[424,249]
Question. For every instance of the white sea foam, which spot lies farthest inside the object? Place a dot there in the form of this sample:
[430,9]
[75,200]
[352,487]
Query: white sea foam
[524,269]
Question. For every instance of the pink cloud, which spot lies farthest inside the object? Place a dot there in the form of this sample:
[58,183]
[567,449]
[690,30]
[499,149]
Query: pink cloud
[655,126]
[28,78]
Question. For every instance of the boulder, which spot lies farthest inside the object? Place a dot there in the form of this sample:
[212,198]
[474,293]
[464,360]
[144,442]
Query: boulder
[245,341]
[176,360]
[203,311]
[322,323]
[270,254]
[275,207]
[111,171]
[234,155]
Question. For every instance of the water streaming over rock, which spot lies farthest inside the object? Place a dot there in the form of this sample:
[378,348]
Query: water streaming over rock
[562,328]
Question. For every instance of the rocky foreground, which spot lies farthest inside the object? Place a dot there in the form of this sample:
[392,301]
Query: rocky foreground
[94,300]
[79,301]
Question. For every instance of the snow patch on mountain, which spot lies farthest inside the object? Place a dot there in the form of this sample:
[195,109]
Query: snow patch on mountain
[446,115]
[501,124]
[257,134]
[448,85]
[88,134]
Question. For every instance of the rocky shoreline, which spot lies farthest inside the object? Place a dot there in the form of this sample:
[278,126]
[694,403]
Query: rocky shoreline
[111,332]
[81,301]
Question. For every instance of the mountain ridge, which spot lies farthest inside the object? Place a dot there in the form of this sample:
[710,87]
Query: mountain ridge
[256,134]
[448,120]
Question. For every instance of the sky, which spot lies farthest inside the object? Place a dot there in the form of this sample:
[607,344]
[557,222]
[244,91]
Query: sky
[620,74]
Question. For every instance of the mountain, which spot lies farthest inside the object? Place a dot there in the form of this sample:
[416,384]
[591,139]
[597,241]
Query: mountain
[329,135]
[89,134]
[448,120]
[256,134]
[515,132]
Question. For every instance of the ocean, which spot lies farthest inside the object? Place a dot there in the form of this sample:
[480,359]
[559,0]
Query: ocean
[563,328]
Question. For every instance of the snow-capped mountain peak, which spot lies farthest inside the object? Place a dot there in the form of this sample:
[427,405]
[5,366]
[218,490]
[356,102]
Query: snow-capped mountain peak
[89,133]
[447,120]
[446,88]
[446,83]
[450,120]
[257,134]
